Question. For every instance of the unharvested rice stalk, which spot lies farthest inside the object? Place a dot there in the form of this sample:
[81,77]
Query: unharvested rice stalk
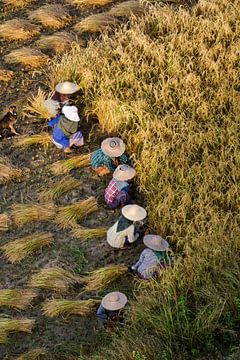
[17,298]
[58,42]
[65,307]
[6,75]
[35,354]
[55,279]
[101,278]
[17,3]
[9,173]
[83,233]
[54,16]
[36,105]
[28,57]
[26,213]
[87,3]
[43,138]
[69,215]
[10,325]
[65,166]
[4,222]
[18,29]
[127,9]
[96,23]
[57,189]
[18,249]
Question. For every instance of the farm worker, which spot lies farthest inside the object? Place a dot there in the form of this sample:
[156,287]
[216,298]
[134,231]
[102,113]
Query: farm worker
[154,258]
[111,306]
[125,231]
[65,129]
[109,156]
[117,192]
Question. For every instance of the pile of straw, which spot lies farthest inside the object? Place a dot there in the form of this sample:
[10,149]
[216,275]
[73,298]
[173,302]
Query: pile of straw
[35,354]
[17,298]
[65,307]
[83,233]
[36,105]
[17,3]
[4,222]
[51,15]
[57,189]
[65,166]
[87,3]
[6,75]
[9,173]
[10,325]
[58,42]
[18,29]
[96,23]
[26,213]
[32,58]
[37,139]
[127,9]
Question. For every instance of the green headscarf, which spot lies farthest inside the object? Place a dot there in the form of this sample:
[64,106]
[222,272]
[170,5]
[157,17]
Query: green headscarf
[123,223]
[162,255]
[67,126]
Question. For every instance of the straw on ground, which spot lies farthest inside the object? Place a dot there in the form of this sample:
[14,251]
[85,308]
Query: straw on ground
[35,354]
[18,29]
[96,23]
[55,279]
[87,3]
[127,9]
[43,138]
[84,233]
[32,58]
[69,215]
[17,3]
[9,173]
[23,214]
[11,325]
[6,75]
[4,221]
[54,16]
[57,189]
[65,166]
[58,42]
[66,307]
[17,298]
[18,249]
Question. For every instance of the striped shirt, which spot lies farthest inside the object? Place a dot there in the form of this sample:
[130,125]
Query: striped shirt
[114,188]
[98,159]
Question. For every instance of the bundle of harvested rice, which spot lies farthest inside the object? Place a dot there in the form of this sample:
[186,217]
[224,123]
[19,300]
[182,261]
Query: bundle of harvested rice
[5,75]
[101,278]
[65,307]
[65,166]
[28,57]
[25,213]
[58,42]
[37,106]
[9,173]
[17,3]
[86,3]
[54,16]
[69,215]
[55,279]
[17,298]
[57,189]
[4,222]
[18,249]
[83,233]
[127,9]
[18,29]
[35,354]
[43,138]
[96,23]
[10,325]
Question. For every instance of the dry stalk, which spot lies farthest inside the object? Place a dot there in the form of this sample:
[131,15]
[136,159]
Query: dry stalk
[17,3]
[83,233]
[127,9]
[65,166]
[11,325]
[58,42]
[36,106]
[96,23]
[26,213]
[6,75]
[57,189]
[17,298]
[35,354]
[4,221]
[51,15]
[18,29]
[65,307]
[87,3]
[32,58]
[9,173]
[38,139]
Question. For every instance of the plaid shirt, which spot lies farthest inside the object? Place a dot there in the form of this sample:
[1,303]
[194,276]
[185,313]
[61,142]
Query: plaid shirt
[113,189]
[98,159]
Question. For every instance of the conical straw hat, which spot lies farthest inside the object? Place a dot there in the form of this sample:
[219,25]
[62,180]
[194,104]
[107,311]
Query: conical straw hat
[124,172]
[134,212]
[67,87]
[155,242]
[113,147]
[114,301]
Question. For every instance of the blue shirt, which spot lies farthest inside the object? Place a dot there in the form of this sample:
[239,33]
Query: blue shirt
[58,135]
[98,159]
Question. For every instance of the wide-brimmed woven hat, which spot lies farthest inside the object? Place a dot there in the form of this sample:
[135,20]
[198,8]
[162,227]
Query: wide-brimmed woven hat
[134,212]
[124,172]
[67,87]
[114,301]
[113,147]
[71,113]
[155,242]
[52,106]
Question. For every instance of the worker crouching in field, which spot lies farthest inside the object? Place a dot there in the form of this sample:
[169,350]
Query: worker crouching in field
[153,259]
[65,129]
[111,307]
[125,231]
[109,156]
[117,192]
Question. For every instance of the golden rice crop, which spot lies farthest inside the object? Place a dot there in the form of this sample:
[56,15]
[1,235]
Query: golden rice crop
[58,42]
[17,298]
[55,279]
[35,354]
[36,106]
[99,279]
[57,307]
[83,233]
[23,214]
[6,75]
[18,29]
[32,58]
[69,215]
[96,23]
[11,325]
[4,221]
[127,8]
[9,173]
[18,249]
[17,3]
[57,189]
[43,138]
[86,3]
[65,166]
[54,16]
